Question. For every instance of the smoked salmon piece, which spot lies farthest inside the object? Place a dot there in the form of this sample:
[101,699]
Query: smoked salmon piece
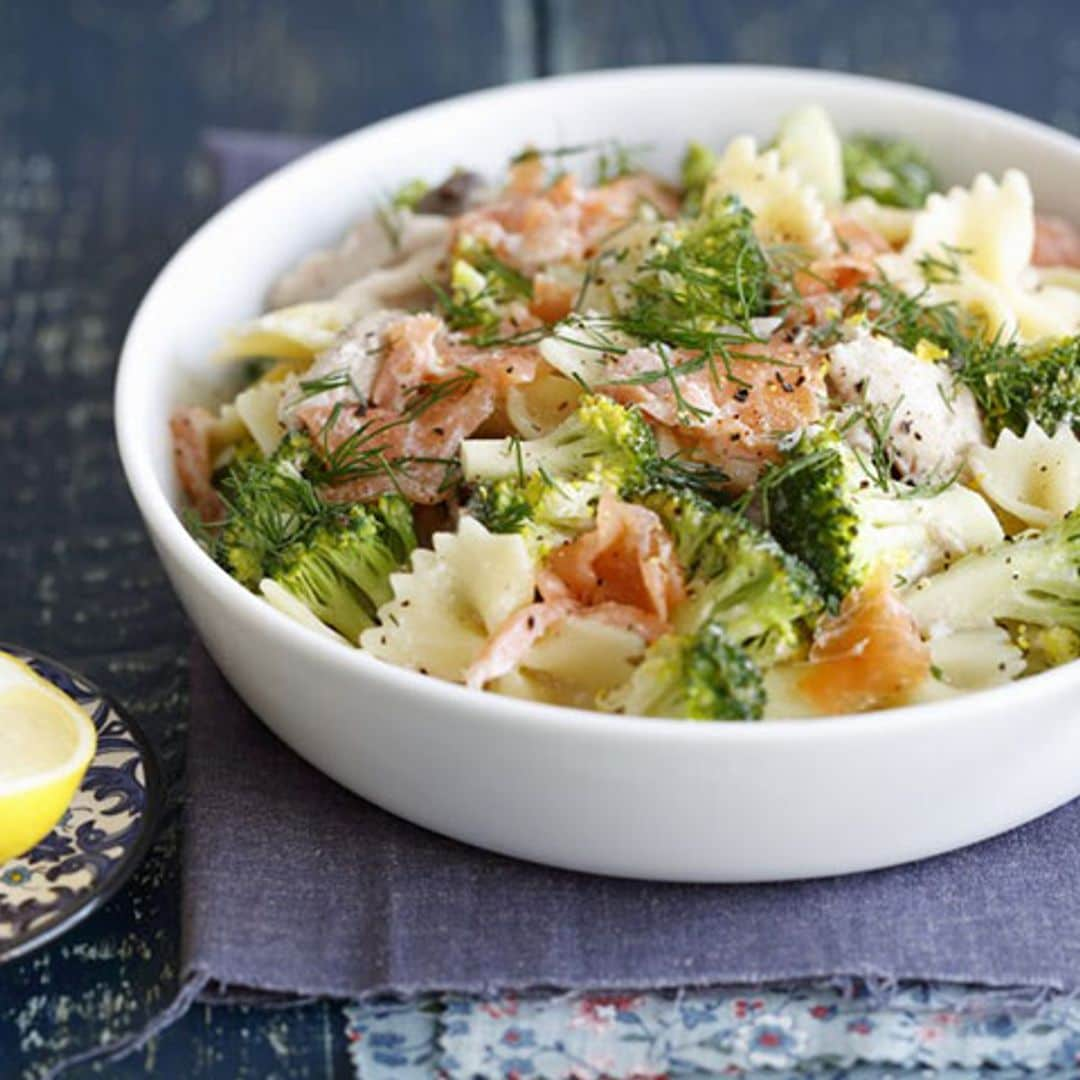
[419,350]
[624,572]
[191,430]
[509,644]
[534,227]
[627,559]
[432,389]
[1057,242]
[551,300]
[381,450]
[868,656]
[735,417]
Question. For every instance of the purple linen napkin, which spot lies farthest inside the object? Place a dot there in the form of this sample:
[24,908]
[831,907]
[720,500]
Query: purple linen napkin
[293,885]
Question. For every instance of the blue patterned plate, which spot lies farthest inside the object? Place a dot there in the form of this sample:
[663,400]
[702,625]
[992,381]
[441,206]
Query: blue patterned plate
[103,835]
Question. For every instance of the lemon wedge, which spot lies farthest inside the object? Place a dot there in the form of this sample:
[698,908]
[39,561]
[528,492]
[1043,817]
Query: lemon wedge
[46,743]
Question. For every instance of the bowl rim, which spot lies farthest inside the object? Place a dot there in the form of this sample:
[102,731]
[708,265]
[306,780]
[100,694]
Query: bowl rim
[167,529]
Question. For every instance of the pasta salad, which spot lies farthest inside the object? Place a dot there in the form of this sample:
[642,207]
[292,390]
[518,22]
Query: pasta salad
[793,436]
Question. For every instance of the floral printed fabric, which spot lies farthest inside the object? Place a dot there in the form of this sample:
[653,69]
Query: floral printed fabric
[814,1031]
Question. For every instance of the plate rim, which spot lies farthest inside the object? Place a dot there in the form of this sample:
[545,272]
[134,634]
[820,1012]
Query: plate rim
[150,820]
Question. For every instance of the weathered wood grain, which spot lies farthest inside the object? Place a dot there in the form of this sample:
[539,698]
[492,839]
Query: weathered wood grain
[101,108]
[1015,54]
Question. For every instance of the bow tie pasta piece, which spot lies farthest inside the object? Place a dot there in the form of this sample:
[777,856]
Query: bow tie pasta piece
[258,408]
[1045,311]
[445,608]
[1035,479]
[973,247]
[786,209]
[609,285]
[342,374]
[537,407]
[294,333]
[894,223]
[976,658]
[808,142]
[404,285]
[990,227]
[577,659]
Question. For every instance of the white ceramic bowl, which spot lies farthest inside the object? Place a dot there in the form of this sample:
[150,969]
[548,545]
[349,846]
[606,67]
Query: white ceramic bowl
[644,798]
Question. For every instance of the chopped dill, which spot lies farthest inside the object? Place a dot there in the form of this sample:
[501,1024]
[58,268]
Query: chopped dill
[1013,383]
[877,422]
[943,268]
[482,286]
[362,454]
[708,480]
[335,380]
[701,285]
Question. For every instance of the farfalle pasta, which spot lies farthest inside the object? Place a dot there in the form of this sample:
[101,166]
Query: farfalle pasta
[579,659]
[1034,478]
[451,599]
[786,209]
[299,333]
[973,247]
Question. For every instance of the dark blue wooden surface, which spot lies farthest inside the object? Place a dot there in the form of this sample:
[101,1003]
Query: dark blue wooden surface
[101,105]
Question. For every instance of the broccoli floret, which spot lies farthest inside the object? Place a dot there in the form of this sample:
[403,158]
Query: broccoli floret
[544,511]
[341,571]
[824,507]
[698,165]
[703,276]
[738,577]
[807,503]
[501,506]
[696,676]
[890,171]
[334,558]
[1048,646]
[1034,580]
[269,504]
[601,441]
[1013,383]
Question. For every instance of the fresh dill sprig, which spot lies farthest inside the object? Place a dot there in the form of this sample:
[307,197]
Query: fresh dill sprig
[363,453]
[270,504]
[335,380]
[1014,384]
[482,287]
[682,472]
[880,466]
[512,283]
[701,284]
[940,269]
[877,422]
[696,290]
